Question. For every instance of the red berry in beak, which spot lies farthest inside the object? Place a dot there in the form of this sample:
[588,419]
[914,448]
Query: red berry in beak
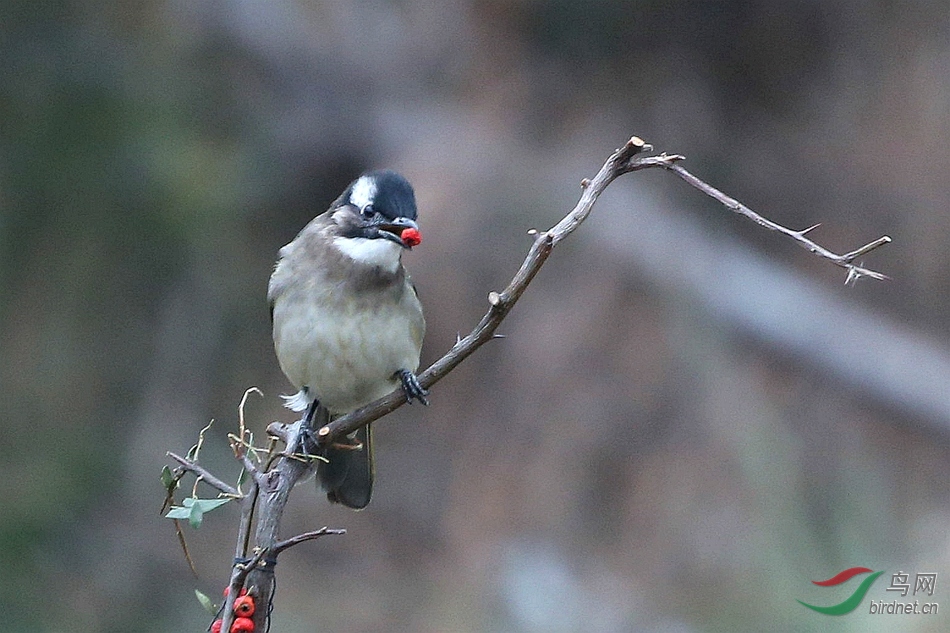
[411,237]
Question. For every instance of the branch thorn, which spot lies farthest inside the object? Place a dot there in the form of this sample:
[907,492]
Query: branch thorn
[853,276]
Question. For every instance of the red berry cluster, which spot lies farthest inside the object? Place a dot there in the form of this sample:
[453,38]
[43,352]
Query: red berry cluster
[243,610]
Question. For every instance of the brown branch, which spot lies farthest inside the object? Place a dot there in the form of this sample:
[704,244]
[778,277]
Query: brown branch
[280,430]
[273,491]
[306,536]
[205,476]
[252,469]
[262,592]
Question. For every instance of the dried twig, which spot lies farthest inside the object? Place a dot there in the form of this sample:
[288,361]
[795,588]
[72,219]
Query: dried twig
[846,261]
[300,538]
[204,475]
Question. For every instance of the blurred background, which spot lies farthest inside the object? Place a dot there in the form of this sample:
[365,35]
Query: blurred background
[690,418]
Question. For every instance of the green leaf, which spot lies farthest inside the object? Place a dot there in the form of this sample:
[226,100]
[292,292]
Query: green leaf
[207,505]
[195,515]
[178,512]
[206,603]
[168,479]
[194,509]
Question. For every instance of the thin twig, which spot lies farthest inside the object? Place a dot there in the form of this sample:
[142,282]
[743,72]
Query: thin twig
[300,538]
[241,570]
[242,428]
[670,163]
[206,476]
[247,518]
[184,548]
[256,474]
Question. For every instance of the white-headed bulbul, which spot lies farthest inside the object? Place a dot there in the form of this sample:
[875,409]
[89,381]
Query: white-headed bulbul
[348,324]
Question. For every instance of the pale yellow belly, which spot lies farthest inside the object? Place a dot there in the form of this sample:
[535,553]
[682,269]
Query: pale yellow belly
[346,360]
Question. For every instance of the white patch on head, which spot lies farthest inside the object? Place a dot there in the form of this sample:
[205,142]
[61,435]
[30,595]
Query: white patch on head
[363,193]
[380,252]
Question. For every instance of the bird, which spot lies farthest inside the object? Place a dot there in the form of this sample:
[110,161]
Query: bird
[347,320]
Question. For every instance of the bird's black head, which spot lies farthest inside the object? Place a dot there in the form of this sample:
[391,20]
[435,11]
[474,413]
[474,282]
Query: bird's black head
[383,206]
[387,192]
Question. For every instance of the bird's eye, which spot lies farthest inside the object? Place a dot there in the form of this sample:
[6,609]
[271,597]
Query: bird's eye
[368,211]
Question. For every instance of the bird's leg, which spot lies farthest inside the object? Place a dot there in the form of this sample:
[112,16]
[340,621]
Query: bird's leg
[311,411]
[411,387]
[307,437]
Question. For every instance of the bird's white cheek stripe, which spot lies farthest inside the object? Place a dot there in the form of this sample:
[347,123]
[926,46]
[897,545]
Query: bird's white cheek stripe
[379,252]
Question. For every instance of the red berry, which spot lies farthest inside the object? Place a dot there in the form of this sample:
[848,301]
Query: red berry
[227,591]
[411,237]
[216,626]
[244,606]
[242,624]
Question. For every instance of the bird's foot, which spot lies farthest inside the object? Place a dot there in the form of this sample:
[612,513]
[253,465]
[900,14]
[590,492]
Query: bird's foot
[412,388]
[308,441]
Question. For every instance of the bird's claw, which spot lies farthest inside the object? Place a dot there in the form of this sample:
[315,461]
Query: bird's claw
[308,442]
[412,388]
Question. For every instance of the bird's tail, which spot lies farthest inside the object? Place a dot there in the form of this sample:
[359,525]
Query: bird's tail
[347,475]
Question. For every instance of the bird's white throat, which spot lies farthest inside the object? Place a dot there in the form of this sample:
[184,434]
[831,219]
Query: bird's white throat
[379,252]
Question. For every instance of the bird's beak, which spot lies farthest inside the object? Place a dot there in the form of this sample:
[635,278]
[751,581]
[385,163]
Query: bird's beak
[392,229]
